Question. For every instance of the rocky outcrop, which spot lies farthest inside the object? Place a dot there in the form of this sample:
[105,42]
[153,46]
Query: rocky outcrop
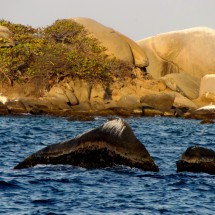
[117,45]
[161,101]
[207,85]
[184,84]
[205,112]
[178,57]
[178,51]
[197,159]
[174,62]
[183,102]
[113,143]
[132,96]
[166,104]
[207,91]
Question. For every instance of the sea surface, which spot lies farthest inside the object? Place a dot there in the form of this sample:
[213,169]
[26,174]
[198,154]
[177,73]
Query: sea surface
[120,190]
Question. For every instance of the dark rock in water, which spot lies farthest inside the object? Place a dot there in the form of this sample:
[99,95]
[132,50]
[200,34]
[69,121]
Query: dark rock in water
[197,159]
[207,121]
[113,143]
[206,112]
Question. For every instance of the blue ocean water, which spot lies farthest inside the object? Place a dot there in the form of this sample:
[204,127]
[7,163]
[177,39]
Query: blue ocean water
[119,190]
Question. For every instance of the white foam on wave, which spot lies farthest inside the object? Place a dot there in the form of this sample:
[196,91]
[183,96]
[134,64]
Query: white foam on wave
[115,127]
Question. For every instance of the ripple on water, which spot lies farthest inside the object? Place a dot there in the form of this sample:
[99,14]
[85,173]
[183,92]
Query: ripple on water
[120,190]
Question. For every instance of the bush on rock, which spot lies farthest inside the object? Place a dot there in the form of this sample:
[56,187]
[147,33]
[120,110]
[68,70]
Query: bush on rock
[61,50]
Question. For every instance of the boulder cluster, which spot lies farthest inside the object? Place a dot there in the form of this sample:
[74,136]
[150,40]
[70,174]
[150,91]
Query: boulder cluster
[171,76]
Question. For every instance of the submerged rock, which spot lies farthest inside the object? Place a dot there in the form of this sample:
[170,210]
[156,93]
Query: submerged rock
[113,143]
[197,159]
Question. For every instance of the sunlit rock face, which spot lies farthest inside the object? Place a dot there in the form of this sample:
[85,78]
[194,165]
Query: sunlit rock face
[117,44]
[113,143]
[207,85]
[206,98]
[183,56]
[197,159]
[190,50]
[205,112]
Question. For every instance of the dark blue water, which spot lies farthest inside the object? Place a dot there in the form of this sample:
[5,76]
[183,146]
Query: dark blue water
[120,190]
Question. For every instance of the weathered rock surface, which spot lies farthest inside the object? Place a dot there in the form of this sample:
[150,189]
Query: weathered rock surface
[207,85]
[205,112]
[197,159]
[160,101]
[184,84]
[130,101]
[113,143]
[123,98]
[117,44]
[171,61]
[178,51]
[178,58]
[183,102]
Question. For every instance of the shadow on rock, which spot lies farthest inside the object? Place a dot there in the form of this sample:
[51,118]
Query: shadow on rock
[197,159]
[113,143]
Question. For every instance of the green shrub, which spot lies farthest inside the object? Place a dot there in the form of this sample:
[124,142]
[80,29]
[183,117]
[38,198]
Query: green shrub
[61,50]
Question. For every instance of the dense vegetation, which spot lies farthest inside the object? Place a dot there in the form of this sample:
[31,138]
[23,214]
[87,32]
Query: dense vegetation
[60,50]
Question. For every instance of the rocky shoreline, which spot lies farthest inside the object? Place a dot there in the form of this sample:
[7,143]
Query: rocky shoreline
[63,102]
[82,100]
[169,76]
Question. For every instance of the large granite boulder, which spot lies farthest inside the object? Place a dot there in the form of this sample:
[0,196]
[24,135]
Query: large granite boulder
[183,102]
[183,83]
[159,101]
[129,101]
[197,159]
[189,50]
[206,91]
[207,85]
[113,143]
[117,44]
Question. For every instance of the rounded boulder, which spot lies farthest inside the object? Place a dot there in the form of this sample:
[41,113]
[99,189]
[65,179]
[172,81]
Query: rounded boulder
[117,44]
[197,159]
[190,51]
